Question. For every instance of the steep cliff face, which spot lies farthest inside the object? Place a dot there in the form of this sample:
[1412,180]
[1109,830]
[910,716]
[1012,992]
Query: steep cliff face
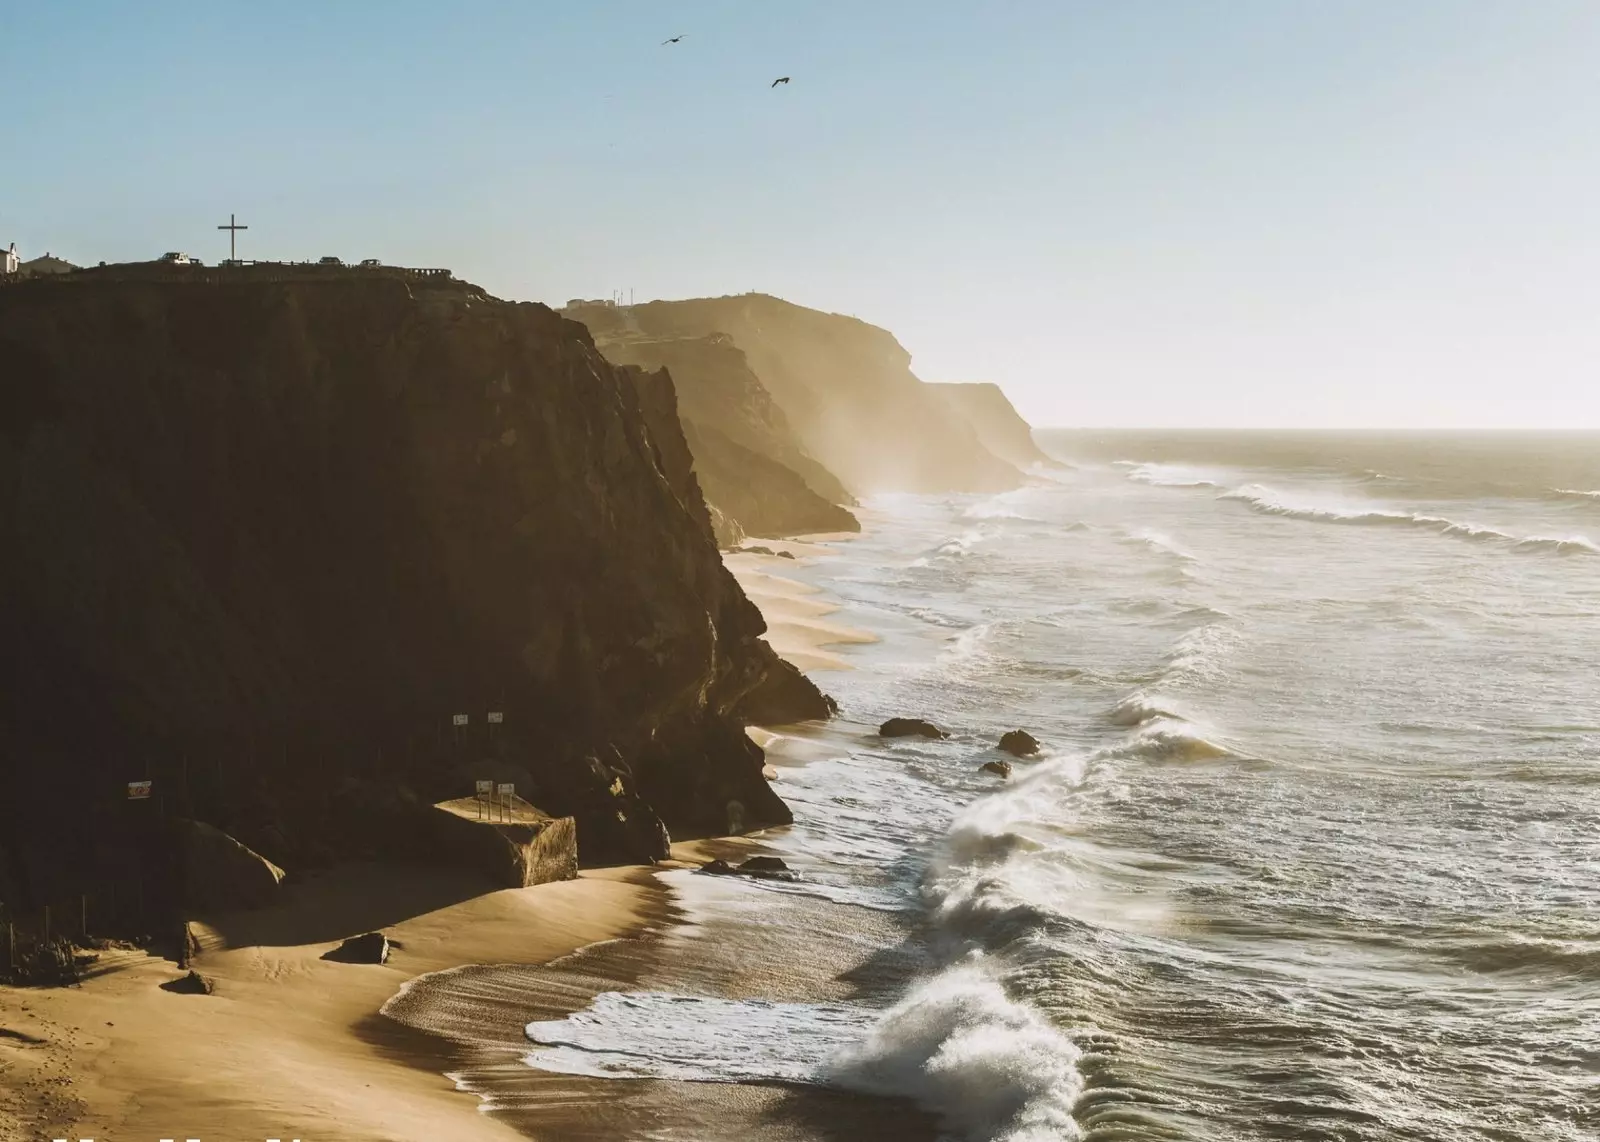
[752,467]
[996,421]
[846,387]
[263,540]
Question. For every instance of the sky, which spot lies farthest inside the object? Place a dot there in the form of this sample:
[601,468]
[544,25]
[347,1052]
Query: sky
[1218,213]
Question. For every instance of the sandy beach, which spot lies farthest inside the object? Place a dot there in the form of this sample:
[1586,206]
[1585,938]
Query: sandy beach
[288,1045]
[796,613]
[291,1045]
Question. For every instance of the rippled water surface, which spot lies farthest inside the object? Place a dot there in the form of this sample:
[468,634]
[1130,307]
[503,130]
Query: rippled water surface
[1313,852]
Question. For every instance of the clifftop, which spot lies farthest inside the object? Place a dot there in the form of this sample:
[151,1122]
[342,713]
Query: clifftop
[265,538]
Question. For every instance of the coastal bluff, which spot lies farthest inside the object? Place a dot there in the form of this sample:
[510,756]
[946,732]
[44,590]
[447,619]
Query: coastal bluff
[999,426]
[845,388]
[266,538]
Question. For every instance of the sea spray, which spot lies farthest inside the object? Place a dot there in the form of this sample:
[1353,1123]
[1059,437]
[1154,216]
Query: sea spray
[993,1069]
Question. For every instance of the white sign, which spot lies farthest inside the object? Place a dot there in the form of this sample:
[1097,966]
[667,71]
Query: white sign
[139,790]
[485,787]
[496,717]
[458,719]
[507,790]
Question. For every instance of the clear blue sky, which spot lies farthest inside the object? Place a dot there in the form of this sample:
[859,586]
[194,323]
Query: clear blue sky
[1233,212]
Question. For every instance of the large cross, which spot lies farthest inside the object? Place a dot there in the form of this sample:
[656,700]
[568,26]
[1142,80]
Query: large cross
[233,229]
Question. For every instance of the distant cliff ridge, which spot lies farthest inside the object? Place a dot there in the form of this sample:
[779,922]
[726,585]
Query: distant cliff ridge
[845,387]
[752,468]
[995,420]
[264,539]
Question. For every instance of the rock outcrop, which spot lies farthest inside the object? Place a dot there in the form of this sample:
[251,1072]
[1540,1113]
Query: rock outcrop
[998,768]
[845,386]
[997,423]
[220,874]
[1019,743]
[911,728]
[266,537]
[367,948]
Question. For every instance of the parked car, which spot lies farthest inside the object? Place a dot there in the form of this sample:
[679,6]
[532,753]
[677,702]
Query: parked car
[370,262]
[329,261]
[176,258]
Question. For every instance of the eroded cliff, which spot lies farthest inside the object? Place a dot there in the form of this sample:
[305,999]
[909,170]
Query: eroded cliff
[845,386]
[752,467]
[263,539]
[994,418]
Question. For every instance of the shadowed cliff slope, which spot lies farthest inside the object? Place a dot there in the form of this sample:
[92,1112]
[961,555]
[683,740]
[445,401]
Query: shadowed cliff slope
[996,421]
[263,539]
[752,466]
[846,388]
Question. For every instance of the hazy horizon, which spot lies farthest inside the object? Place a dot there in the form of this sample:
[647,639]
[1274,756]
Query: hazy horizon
[1196,214]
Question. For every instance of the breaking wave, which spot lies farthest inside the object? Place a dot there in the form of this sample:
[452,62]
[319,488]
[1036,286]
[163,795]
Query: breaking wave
[1269,501]
[990,1067]
[1175,475]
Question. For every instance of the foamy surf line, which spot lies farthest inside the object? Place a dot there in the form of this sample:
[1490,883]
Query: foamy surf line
[1268,501]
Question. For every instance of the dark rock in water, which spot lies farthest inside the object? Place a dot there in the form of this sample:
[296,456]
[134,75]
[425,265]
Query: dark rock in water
[785,555]
[192,984]
[757,868]
[1003,768]
[758,551]
[1019,743]
[910,728]
[367,948]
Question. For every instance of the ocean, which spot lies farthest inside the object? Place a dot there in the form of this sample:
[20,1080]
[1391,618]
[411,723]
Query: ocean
[1312,850]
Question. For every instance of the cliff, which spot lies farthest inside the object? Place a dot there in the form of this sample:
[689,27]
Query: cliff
[752,467]
[992,416]
[846,388]
[264,538]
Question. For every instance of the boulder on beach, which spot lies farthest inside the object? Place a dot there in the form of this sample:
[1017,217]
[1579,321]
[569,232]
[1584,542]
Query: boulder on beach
[1019,743]
[192,984]
[718,867]
[367,948]
[785,554]
[764,864]
[910,728]
[1003,768]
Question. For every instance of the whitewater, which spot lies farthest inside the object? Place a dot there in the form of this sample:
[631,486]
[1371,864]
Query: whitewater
[1311,851]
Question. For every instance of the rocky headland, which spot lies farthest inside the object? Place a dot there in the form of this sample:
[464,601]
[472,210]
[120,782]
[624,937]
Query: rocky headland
[999,426]
[265,537]
[845,388]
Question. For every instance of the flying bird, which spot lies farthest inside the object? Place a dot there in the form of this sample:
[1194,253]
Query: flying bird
[673,40]
[783,79]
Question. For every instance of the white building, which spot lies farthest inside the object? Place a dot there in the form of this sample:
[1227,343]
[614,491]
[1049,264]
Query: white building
[9,262]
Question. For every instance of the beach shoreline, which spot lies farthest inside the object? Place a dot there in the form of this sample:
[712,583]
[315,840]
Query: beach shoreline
[294,1045]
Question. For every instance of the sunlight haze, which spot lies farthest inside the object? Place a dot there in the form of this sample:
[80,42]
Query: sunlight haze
[1235,213]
